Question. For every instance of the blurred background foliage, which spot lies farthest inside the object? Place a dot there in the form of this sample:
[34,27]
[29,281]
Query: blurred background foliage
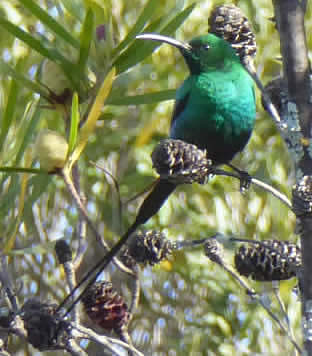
[188,305]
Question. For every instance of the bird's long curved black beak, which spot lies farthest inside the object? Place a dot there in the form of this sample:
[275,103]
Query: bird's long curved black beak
[182,46]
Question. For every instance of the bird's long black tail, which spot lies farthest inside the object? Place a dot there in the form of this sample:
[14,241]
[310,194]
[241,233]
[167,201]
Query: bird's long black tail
[150,206]
[154,201]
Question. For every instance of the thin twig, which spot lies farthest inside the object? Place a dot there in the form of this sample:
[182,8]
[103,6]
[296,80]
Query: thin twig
[84,213]
[190,243]
[266,98]
[125,337]
[71,281]
[81,233]
[251,292]
[81,249]
[17,327]
[135,292]
[4,353]
[283,309]
[282,197]
[116,186]
[82,210]
[83,332]
[74,349]
[280,302]
[6,280]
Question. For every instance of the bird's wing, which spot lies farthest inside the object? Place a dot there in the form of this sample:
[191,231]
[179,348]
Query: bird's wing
[179,106]
[182,97]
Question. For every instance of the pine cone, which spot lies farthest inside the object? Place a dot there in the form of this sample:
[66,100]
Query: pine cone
[214,250]
[277,91]
[229,23]
[63,251]
[105,307]
[149,247]
[268,260]
[45,329]
[181,162]
[302,196]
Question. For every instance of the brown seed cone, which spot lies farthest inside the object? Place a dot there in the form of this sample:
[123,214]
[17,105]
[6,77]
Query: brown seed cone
[63,251]
[268,260]
[105,307]
[302,196]
[229,23]
[149,247]
[181,162]
[277,91]
[45,329]
[214,250]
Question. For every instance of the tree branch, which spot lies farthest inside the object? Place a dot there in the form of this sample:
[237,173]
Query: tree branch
[297,114]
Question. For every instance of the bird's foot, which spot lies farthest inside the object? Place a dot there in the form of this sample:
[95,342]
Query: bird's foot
[245,181]
[244,178]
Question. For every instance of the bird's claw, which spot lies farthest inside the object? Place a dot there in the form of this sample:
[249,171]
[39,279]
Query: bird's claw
[244,178]
[244,181]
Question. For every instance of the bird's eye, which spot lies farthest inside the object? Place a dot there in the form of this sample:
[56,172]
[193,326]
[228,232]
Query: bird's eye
[206,47]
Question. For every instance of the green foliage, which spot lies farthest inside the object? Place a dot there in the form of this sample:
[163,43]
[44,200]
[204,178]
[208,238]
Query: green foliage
[188,305]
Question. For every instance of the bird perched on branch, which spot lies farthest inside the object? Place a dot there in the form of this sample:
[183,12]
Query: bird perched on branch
[215,110]
[215,107]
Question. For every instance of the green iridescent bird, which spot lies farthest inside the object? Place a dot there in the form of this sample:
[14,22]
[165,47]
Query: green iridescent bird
[215,110]
[215,107]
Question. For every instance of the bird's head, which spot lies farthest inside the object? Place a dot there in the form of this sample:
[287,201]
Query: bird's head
[202,53]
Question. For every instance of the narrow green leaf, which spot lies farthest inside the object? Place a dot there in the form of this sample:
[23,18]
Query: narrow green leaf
[144,17]
[52,54]
[127,57]
[177,21]
[50,22]
[38,185]
[28,39]
[8,115]
[93,116]
[39,249]
[30,120]
[11,236]
[73,8]
[137,52]
[85,42]
[22,170]
[8,199]
[75,118]
[149,98]
[24,81]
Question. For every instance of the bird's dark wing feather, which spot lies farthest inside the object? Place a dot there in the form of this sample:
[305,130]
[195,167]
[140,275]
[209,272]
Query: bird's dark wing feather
[179,106]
